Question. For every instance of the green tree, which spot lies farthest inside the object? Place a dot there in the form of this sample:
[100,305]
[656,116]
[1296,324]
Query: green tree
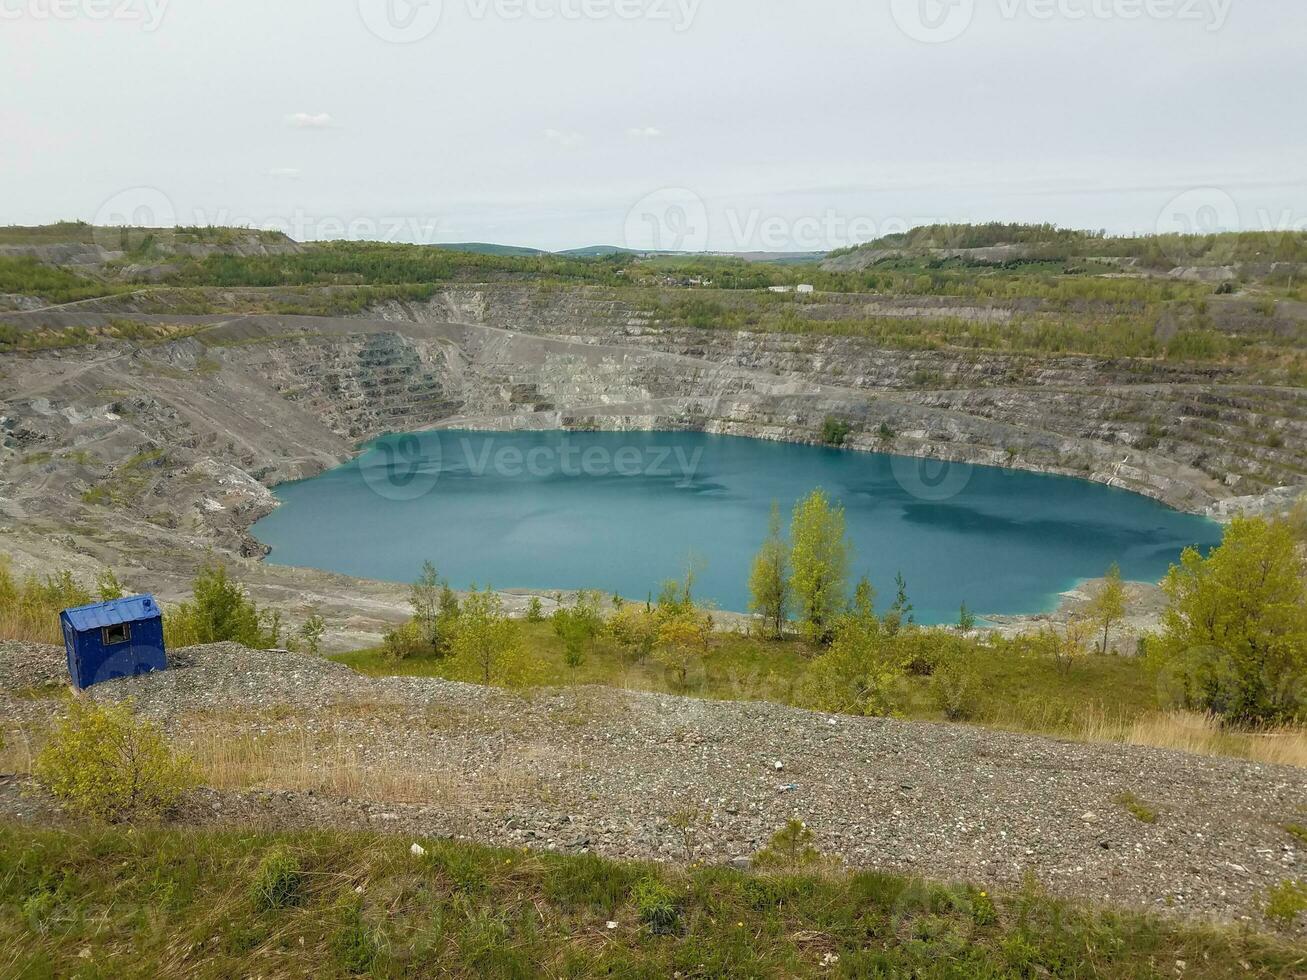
[966,619]
[1108,604]
[424,596]
[769,582]
[487,645]
[221,611]
[820,563]
[1234,637]
[578,626]
[108,587]
[312,630]
[683,643]
[900,612]
[834,432]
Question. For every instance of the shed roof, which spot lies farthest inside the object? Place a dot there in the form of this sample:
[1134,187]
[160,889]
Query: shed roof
[113,612]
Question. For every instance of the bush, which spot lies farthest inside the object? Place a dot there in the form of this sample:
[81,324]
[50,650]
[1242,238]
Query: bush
[834,432]
[1286,902]
[279,882]
[407,641]
[103,762]
[789,849]
[955,688]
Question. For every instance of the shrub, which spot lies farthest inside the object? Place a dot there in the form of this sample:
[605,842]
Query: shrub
[682,644]
[534,610]
[29,610]
[279,882]
[487,646]
[311,632]
[789,849]
[657,906]
[834,432]
[103,762]
[634,628]
[406,641]
[862,674]
[955,688]
[1286,902]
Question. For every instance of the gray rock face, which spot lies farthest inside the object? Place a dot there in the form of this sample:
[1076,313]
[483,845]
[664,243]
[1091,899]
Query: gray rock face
[168,450]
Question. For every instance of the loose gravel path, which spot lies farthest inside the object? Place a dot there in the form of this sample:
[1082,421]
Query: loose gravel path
[602,770]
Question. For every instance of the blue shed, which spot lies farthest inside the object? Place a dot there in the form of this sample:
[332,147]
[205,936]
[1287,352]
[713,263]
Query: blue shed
[119,638]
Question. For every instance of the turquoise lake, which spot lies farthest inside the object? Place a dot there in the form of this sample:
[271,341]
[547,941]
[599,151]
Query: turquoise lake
[622,511]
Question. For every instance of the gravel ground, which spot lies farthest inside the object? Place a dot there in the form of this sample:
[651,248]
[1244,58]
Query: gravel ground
[602,770]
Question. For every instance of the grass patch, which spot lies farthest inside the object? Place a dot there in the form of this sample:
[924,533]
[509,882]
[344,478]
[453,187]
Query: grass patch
[160,902]
[1136,807]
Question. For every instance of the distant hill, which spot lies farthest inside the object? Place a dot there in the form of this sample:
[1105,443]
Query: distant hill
[595,251]
[487,248]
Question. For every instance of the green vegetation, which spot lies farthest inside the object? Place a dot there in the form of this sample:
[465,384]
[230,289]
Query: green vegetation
[769,581]
[1108,603]
[101,761]
[834,431]
[1234,639]
[150,902]
[1136,807]
[486,645]
[1286,902]
[278,882]
[29,609]
[790,849]
[221,611]
[819,558]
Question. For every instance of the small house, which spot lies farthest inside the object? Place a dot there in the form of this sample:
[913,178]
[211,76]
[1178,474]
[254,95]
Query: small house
[804,287]
[119,638]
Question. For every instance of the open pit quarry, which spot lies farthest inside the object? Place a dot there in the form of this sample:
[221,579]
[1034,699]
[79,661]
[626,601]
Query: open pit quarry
[167,447]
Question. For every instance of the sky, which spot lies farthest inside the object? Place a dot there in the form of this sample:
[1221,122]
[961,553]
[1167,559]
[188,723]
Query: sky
[732,125]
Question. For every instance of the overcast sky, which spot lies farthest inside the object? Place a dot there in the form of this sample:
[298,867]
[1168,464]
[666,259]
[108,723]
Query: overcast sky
[728,124]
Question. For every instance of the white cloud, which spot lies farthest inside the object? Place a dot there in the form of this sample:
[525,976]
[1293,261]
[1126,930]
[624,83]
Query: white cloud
[644,132]
[566,139]
[310,120]
[289,173]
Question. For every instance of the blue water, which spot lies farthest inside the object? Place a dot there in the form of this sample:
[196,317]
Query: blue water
[622,511]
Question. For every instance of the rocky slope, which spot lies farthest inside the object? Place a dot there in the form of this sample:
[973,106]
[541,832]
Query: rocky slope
[610,771]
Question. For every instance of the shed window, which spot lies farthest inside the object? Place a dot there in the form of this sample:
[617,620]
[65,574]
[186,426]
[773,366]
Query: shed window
[114,635]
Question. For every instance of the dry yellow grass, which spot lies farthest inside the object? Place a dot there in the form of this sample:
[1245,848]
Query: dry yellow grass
[297,760]
[30,624]
[1201,734]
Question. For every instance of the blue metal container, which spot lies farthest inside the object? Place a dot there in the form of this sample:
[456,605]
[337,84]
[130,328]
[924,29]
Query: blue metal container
[119,638]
